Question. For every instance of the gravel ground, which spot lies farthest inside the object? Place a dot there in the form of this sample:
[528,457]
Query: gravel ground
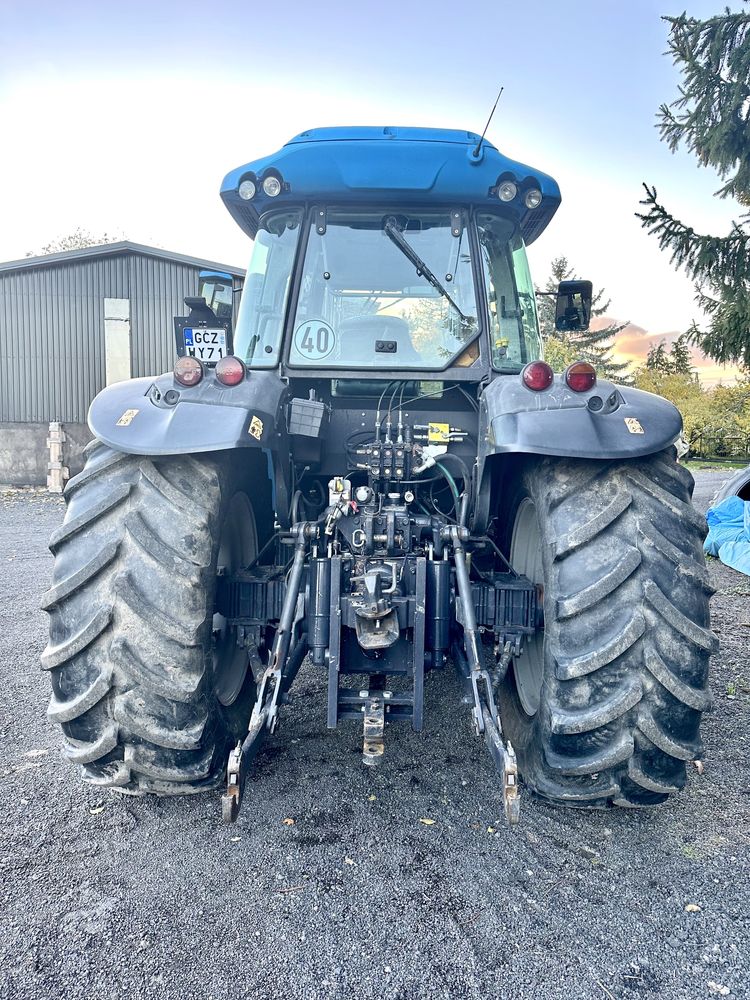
[103,896]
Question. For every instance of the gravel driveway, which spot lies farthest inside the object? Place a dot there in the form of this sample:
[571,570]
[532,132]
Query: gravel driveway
[107,897]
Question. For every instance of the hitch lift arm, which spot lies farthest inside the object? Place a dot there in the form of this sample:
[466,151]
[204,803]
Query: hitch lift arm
[484,710]
[276,681]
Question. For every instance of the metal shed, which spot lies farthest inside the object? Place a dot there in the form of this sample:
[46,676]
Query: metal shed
[71,323]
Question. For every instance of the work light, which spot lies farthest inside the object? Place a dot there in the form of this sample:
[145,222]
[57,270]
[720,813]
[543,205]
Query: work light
[272,186]
[247,189]
[532,198]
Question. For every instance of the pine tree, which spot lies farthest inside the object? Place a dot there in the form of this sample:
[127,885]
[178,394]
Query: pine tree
[676,361]
[711,118]
[680,357]
[657,359]
[594,346]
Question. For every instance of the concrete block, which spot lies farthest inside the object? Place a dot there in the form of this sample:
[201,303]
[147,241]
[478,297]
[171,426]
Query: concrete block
[24,452]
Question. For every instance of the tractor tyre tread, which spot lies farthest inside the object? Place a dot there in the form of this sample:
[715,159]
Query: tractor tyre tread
[627,641]
[131,610]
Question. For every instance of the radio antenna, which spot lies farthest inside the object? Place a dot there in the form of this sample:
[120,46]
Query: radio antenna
[475,154]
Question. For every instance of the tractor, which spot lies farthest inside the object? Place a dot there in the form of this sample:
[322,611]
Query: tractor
[371,470]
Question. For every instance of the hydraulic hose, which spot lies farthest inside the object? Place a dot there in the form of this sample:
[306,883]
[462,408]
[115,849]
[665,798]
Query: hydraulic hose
[463,466]
[451,483]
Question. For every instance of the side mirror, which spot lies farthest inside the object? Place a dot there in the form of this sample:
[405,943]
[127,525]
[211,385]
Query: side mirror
[217,289]
[573,307]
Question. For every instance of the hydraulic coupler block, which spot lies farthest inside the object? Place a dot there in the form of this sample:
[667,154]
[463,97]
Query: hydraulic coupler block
[386,461]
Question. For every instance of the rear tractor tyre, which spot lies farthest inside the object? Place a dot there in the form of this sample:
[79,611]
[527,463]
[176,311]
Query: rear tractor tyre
[604,707]
[148,684]
[737,486]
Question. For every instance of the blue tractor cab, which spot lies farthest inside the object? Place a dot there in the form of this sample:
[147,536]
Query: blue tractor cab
[406,248]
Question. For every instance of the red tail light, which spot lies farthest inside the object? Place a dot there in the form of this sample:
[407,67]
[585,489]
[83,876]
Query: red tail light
[230,370]
[188,371]
[537,376]
[581,376]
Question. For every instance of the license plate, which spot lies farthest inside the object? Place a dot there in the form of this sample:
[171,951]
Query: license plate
[205,344]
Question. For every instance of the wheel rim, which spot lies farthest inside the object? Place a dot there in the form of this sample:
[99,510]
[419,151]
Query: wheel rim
[238,545]
[526,559]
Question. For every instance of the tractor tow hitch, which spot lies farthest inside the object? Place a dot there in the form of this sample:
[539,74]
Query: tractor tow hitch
[382,600]
[374,723]
[484,710]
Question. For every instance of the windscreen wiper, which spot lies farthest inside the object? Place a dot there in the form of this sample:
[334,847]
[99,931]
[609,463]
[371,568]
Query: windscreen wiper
[395,235]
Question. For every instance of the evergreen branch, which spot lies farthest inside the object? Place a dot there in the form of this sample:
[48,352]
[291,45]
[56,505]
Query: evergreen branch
[711,114]
[713,259]
[711,118]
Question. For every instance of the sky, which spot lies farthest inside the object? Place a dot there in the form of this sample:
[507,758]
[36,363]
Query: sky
[124,118]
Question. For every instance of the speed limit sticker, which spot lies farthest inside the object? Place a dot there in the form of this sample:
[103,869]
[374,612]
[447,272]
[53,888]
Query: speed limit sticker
[314,340]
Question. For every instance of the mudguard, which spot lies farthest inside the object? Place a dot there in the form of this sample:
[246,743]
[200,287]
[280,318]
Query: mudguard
[157,416]
[607,422]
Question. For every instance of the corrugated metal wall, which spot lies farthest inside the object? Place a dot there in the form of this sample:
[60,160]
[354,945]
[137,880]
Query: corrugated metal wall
[157,293]
[52,329]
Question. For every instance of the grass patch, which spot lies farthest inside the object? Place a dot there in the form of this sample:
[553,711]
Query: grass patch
[736,687]
[703,465]
[691,852]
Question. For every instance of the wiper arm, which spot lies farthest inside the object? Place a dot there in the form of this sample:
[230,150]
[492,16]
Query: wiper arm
[395,236]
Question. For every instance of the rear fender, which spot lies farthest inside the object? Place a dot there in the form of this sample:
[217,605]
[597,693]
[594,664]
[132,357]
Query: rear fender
[515,420]
[608,422]
[135,416]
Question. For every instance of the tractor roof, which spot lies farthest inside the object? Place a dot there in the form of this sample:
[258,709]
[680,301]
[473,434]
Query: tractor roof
[410,166]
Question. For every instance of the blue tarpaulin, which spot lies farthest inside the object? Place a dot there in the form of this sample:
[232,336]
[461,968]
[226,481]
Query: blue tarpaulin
[729,533]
